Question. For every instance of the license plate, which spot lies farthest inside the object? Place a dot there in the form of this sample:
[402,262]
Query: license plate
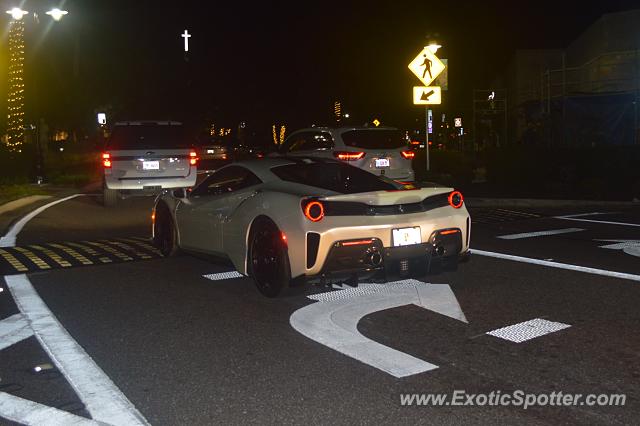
[210,151]
[150,165]
[382,162]
[406,236]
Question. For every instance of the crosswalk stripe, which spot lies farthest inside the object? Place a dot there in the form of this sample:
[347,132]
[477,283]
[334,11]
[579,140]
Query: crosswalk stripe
[17,265]
[56,257]
[90,251]
[72,253]
[127,247]
[110,250]
[33,258]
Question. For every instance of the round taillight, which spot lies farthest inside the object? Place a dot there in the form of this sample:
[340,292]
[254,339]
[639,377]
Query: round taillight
[314,211]
[456,199]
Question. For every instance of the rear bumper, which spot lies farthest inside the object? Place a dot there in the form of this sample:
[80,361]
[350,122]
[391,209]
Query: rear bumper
[374,262]
[151,184]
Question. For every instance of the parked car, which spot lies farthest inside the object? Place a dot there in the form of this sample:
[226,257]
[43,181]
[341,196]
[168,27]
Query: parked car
[144,157]
[286,221]
[378,150]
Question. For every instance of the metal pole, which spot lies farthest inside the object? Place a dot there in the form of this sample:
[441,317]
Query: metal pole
[426,136]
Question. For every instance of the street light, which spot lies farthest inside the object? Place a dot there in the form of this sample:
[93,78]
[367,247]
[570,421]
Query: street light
[57,14]
[17,13]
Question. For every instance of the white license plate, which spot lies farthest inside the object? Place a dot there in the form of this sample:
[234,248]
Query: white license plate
[382,162]
[150,165]
[210,151]
[406,236]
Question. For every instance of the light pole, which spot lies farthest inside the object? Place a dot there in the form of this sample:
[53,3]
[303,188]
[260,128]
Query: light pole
[16,83]
[433,47]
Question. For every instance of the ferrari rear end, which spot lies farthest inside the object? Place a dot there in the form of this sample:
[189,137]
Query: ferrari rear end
[384,235]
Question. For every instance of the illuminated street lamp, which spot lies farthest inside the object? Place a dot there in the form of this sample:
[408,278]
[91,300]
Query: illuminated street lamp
[57,14]
[17,13]
[433,47]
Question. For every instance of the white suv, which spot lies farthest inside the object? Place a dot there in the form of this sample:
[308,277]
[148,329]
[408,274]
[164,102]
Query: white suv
[379,150]
[145,157]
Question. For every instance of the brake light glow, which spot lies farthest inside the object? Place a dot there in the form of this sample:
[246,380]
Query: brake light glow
[357,243]
[408,154]
[193,158]
[348,156]
[313,210]
[106,160]
[456,199]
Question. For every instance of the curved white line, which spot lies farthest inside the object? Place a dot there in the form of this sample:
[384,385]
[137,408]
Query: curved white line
[334,323]
[9,240]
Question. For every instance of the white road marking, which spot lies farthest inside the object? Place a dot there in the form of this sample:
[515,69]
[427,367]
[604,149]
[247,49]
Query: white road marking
[9,240]
[539,233]
[558,265]
[577,218]
[104,401]
[223,276]
[13,330]
[333,321]
[528,330]
[631,247]
[28,412]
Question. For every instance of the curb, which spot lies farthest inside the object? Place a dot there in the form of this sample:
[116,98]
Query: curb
[532,202]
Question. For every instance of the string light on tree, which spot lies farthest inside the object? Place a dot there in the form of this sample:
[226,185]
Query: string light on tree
[278,138]
[15,101]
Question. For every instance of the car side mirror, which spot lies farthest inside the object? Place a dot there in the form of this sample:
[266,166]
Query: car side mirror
[180,193]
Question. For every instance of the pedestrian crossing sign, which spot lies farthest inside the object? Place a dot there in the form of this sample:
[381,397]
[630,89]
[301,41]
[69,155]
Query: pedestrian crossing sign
[426,66]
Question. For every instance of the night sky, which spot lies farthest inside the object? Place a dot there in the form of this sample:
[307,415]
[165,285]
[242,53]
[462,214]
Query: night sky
[280,62]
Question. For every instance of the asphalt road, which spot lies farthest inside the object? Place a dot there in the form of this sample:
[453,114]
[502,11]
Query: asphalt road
[186,349]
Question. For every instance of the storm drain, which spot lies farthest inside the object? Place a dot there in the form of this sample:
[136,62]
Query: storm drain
[223,276]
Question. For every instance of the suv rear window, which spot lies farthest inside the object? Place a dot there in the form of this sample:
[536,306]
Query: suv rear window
[374,139]
[148,136]
[336,177]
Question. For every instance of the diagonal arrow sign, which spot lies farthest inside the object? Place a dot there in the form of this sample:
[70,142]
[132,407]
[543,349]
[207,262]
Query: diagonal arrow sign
[333,321]
[425,95]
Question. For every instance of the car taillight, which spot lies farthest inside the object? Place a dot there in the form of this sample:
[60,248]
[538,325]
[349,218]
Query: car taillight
[313,210]
[106,160]
[408,154]
[193,158]
[456,199]
[348,155]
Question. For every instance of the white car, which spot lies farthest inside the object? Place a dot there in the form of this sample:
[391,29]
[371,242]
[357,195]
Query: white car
[143,157]
[378,150]
[284,221]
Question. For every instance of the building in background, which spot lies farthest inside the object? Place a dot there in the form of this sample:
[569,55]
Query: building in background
[584,95]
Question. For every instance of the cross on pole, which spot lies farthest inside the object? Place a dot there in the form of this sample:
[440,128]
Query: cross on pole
[186,36]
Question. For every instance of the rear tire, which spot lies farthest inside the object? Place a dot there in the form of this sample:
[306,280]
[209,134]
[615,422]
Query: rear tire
[268,258]
[165,233]
[109,197]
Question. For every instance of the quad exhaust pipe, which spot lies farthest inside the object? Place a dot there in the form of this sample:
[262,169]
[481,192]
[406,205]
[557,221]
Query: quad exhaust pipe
[373,258]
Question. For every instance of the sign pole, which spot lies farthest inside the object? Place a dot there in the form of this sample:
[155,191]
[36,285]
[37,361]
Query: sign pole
[426,135]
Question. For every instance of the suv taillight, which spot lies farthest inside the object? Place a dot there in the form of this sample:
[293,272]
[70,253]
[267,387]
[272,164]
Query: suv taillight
[348,155]
[408,154]
[106,160]
[193,158]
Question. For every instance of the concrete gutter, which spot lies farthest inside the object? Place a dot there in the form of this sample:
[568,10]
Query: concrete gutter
[532,202]
[21,202]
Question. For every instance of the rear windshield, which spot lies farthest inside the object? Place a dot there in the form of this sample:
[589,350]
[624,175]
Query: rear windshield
[336,177]
[374,139]
[148,136]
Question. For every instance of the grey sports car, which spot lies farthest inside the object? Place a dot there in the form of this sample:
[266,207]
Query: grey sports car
[286,221]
